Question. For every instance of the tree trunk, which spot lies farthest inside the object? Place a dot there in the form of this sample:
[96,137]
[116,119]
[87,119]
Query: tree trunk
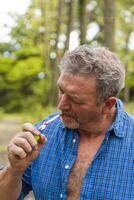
[70,5]
[54,61]
[109,24]
[45,38]
[126,89]
[82,20]
[127,94]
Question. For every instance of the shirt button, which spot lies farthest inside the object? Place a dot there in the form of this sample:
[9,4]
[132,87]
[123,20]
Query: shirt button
[66,166]
[61,196]
[74,140]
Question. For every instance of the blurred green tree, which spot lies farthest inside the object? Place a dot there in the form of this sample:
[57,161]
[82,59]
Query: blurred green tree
[29,62]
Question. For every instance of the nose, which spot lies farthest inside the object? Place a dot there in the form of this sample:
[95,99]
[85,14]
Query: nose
[64,103]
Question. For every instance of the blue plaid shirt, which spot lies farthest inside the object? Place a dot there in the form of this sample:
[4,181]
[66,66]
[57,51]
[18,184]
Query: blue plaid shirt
[110,175]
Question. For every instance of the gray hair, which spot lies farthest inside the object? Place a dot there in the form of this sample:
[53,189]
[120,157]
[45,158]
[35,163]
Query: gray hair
[100,62]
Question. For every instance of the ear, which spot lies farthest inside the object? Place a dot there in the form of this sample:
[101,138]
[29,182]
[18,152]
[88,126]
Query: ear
[109,104]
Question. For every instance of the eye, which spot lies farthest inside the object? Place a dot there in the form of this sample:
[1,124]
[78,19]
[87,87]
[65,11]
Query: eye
[76,101]
[61,92]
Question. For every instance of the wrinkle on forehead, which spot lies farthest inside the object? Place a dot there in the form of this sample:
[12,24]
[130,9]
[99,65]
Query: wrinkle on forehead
[77,84]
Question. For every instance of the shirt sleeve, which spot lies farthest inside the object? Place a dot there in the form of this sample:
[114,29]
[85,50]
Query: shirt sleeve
[26,183]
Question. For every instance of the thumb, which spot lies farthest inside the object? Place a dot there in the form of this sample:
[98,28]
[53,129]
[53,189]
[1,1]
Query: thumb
[37,135]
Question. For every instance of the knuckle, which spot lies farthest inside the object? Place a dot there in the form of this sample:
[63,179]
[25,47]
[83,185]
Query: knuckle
[24,136]
[10,147]
[20,151]
[23,141]
[35,129]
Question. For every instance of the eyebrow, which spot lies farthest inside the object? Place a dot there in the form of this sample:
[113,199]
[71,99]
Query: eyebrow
[75,98]
[70,95]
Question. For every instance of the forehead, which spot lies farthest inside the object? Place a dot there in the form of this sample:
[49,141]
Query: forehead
[76,83]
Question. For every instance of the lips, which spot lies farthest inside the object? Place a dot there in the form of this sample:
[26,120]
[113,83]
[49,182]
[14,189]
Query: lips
[66,116]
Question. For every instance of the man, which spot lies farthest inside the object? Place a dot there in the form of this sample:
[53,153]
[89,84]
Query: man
[89,151]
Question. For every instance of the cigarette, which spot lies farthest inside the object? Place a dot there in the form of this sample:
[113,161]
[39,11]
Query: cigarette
[45,123]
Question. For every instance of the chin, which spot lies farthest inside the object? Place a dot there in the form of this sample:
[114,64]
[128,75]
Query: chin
[71,124]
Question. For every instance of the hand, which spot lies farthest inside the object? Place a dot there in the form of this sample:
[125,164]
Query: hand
[23,148]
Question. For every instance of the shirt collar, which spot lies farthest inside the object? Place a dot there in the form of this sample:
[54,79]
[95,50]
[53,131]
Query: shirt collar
[118,124]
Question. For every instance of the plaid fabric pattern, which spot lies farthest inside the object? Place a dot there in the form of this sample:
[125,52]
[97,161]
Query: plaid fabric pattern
[110,175]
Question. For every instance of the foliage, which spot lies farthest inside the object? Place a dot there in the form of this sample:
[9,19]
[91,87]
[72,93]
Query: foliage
[28,63]
[3,149]
[129,107]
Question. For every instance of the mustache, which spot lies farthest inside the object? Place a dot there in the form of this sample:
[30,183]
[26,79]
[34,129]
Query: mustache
[68,113]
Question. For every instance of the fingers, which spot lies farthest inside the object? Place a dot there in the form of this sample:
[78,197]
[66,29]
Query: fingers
[27,136]
[29,127]
[24,143]
[24,148]
[17,151]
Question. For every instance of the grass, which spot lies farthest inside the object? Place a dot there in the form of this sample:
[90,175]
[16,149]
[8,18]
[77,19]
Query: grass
[31,115]
[129,107]
[37,114]
[3,149]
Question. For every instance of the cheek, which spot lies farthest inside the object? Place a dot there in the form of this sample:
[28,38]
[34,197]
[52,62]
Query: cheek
[79,110]
[60,98]
[85,110]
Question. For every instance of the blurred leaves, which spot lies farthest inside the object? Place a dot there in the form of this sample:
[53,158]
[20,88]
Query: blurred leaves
[25,69]
[28,63]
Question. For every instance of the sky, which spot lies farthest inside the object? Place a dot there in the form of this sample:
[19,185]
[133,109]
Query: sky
[6,6]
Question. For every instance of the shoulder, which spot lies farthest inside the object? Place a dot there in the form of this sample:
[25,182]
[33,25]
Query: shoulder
[124,122]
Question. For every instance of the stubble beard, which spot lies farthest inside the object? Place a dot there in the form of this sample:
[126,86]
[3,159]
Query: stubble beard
[69,121]
[71,124]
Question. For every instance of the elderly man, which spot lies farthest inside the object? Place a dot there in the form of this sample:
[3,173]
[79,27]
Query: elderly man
[87,151]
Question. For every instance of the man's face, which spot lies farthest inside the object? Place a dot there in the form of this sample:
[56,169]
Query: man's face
[78,101]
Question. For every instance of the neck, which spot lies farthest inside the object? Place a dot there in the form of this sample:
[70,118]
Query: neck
[98,129]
